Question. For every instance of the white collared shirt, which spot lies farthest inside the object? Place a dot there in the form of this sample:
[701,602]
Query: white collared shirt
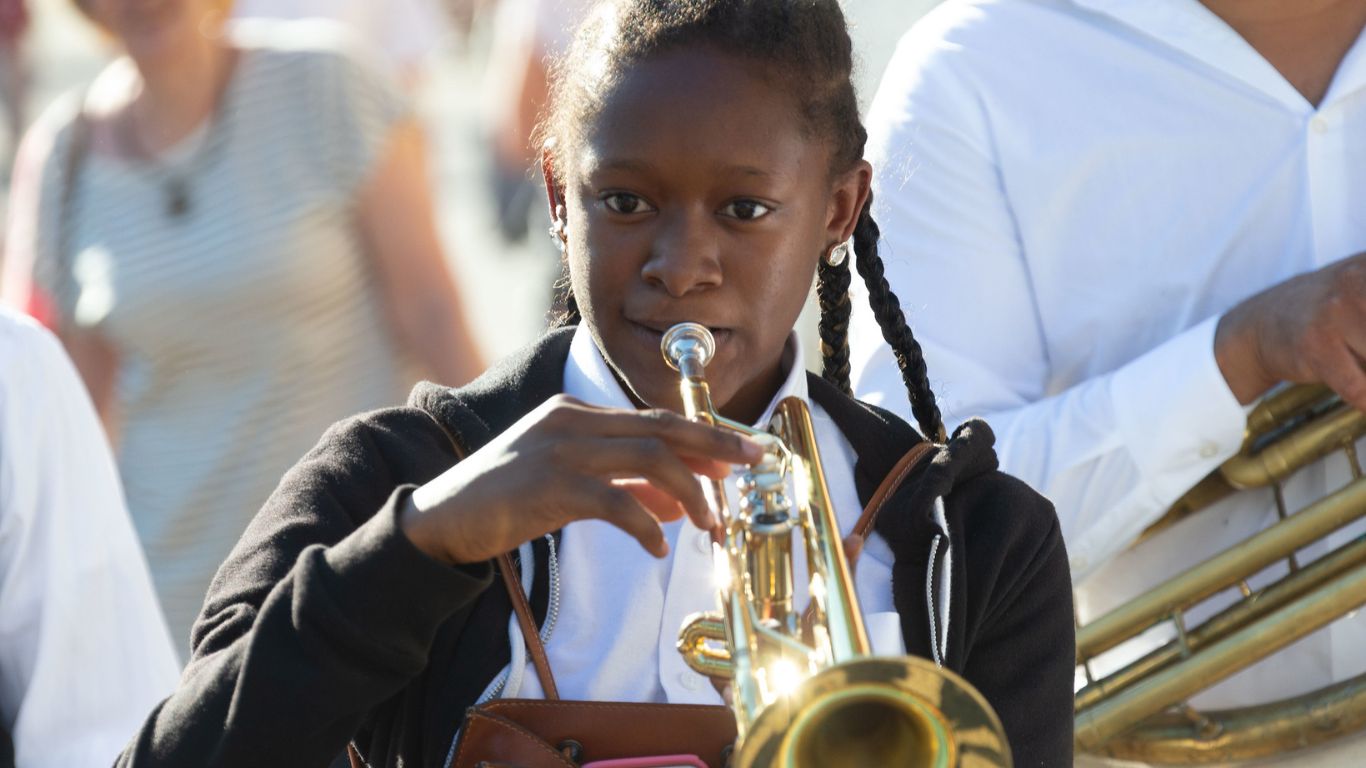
[1070,195]
[607,578]
[84,650]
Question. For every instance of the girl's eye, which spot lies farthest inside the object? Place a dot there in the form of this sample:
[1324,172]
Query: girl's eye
[625,202]
[746,210]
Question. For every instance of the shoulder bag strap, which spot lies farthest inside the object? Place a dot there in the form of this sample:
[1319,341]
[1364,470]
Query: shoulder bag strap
[900,471]
[530,631]
[507,571]
[853,543]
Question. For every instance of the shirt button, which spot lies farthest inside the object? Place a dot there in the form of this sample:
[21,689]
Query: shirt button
[1207,450]
[690,680]
[704,543]
[1319,125]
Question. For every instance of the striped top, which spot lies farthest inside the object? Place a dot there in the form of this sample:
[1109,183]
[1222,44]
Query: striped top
[249,323]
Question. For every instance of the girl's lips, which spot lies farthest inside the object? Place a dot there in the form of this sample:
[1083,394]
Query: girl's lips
[719,335]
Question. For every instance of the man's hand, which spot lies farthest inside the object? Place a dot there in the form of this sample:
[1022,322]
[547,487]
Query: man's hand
[1310,328]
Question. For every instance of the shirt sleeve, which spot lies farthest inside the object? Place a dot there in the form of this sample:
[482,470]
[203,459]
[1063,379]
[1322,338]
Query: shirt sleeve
[1112,451]
[85,651]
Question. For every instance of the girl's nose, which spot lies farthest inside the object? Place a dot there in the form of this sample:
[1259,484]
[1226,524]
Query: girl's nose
[685,256]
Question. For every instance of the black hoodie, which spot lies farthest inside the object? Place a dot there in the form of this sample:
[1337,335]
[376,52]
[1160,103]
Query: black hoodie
[326,624]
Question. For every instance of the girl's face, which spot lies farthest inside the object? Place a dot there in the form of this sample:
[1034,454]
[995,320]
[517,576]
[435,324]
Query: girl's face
[695,196]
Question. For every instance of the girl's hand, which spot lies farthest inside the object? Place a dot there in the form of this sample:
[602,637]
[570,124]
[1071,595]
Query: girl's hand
[568,461]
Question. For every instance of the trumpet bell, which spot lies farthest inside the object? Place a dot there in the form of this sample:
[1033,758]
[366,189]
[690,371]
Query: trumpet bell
[878,711]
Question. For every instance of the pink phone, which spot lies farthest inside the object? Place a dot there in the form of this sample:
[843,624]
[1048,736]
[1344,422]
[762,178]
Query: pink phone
[659,761]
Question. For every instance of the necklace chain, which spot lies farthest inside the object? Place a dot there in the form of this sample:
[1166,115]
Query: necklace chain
[176,184]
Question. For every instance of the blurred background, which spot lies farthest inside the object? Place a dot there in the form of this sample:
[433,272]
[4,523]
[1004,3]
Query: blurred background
[252,230]
[463,63]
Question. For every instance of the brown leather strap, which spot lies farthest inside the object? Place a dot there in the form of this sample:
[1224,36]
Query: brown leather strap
[514,587]
[890,483]
[354,756]
[528,623]
[900,471]
[853,543]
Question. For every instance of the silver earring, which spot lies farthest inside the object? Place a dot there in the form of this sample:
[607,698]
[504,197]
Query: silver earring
[837,255]
[557,230]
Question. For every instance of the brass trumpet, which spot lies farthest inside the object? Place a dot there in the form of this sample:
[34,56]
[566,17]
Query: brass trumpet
[1139,712]
[809,694]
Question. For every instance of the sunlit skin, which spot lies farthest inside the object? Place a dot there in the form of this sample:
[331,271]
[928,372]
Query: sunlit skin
[182,65]
[159,31]
[696,195]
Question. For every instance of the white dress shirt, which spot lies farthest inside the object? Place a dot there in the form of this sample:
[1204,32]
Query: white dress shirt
[605,574]
[84,650]
[1070,194]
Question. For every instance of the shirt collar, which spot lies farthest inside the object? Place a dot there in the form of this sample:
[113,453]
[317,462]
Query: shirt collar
[1195,30]
[588,377]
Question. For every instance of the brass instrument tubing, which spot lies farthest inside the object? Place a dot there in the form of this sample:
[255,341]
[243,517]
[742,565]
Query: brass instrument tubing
[1224,570]
[1248,733]
[822,535]
[1282,593]
[1305,444]
[1255,641]
[1278,490]
[690,360]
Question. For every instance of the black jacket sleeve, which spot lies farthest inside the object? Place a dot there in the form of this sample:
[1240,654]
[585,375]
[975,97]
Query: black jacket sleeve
[1019,643]
[323,611]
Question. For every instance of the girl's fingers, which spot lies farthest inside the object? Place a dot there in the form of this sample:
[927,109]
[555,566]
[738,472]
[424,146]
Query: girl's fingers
[664,507]
[644,458]
[683,436]
[619,507]
[708,467]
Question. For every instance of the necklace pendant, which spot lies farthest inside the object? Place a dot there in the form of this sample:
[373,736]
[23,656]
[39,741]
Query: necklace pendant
[177,198]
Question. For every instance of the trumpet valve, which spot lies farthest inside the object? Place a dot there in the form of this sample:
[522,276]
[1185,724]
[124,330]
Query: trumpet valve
[762,486]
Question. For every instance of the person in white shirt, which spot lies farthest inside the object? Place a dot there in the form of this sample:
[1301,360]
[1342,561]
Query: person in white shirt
[84,650]
[401,35]
[1117,225]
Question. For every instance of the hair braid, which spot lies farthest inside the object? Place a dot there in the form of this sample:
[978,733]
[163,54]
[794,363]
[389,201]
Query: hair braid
[832,292]
[566,309]
[887,308]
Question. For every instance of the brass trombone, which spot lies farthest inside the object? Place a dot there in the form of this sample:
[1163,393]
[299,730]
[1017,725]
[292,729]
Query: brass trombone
[810,695]
[1139,712]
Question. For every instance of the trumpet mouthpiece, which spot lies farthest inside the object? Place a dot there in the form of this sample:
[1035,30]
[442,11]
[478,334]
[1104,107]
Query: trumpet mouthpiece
[687,340]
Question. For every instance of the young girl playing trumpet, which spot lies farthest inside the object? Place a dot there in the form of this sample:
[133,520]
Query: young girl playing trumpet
[703,164]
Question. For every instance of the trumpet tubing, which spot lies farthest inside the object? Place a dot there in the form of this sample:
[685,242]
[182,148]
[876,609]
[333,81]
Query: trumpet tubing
[809,694]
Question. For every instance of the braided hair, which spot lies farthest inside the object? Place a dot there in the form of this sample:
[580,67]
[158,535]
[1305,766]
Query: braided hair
[807,45]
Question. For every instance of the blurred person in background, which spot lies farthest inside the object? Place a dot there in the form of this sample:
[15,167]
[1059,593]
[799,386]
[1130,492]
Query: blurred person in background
[232,233]
[527,34]
[84,651]
[403,34]
[1123,224]
[14,24]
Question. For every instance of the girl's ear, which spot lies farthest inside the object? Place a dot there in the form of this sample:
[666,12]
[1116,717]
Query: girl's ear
[847,197]
[554,188]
